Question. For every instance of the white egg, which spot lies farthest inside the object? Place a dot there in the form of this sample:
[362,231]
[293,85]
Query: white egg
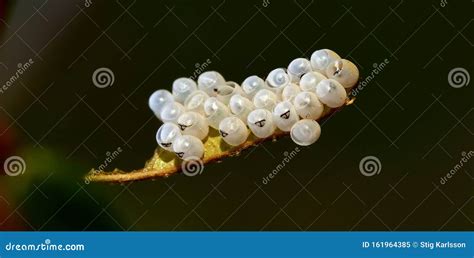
[290,91]
[208,82]
[308,106]
[192,123]
[298,67]
[343,71]
[277,80]
[166,134]
[310,80]
[226,91]
[195,102]
[171,111]
[284,116]
[305,132]
[215,111]
[182,88]
[320,59]
[331,93]
[241,106]
[260,122]
[188,147]
[233,131]
[158,99]
[266,99]
[252,85]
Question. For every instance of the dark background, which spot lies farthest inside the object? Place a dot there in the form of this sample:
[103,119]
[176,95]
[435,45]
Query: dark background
[408,116]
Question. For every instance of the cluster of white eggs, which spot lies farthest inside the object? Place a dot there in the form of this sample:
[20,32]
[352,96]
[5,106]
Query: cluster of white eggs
[289,99]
